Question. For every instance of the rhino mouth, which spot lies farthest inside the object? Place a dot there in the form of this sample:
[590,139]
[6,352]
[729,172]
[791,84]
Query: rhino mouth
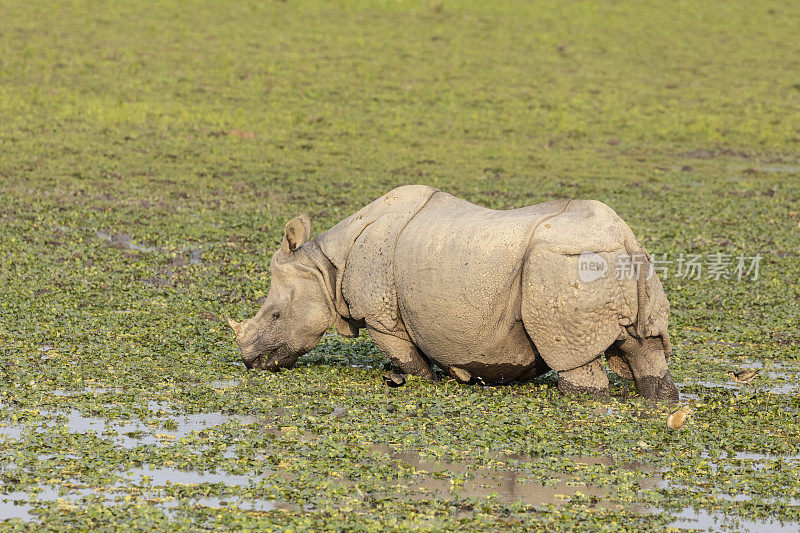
[262,363]
[273,363]
[253,363]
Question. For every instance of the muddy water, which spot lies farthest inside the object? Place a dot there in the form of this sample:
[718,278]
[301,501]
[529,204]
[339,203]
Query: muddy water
[130,434]
[87,391]
[761,456]
[777,168]
[710,521]
[8,431]
[124,240]
[784,388]
[434,479]
[225,384]
[196,257]
[786,376]
[704,520]
[228,502]
[509,486]
[445,479]
[157,476]
[22,504]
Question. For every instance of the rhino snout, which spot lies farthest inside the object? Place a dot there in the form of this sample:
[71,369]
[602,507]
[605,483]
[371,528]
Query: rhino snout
[257,363]
[260,363]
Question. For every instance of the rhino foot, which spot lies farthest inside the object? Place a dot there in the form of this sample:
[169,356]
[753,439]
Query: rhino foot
[647,359]
[658,388]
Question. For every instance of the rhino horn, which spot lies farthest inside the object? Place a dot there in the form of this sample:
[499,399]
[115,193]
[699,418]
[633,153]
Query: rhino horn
[235,326]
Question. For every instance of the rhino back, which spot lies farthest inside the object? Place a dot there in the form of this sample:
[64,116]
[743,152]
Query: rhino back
[457,270]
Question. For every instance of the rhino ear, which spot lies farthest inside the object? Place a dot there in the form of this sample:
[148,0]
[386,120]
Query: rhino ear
[296,232]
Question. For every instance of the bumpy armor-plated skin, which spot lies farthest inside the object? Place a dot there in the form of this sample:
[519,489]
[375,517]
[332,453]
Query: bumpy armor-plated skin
[489,295]
[458,271]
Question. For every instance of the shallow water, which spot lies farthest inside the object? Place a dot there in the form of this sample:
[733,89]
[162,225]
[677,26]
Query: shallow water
[785,388]
[509,486]
[763,456]
[156,476]
[85,391]
[130,434]
[431,482]
[225,384]
[228,502]
[778,168]
[758,363]
[788,376]
[434,479]
[8,431]
[20,504]
[196,257]
[124,240]
[710,521]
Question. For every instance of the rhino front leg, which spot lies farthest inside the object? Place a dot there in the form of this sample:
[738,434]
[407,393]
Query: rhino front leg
[587,379]
[648,364]
[403,354]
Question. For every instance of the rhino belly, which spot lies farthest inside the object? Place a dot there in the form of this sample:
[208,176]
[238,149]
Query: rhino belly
[457,272]
[503,359]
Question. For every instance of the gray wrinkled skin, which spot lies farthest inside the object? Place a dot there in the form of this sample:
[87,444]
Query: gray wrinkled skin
[491,296]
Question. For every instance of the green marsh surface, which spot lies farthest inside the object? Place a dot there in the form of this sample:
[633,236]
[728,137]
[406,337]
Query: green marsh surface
[150,153]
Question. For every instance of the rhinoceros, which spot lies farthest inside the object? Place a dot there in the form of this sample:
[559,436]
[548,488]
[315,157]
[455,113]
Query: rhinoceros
[487,295]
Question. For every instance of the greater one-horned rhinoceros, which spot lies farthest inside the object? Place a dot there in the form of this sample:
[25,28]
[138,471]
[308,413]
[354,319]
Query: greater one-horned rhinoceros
[495,296]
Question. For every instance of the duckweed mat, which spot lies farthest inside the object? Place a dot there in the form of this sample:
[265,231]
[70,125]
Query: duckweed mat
[150,153]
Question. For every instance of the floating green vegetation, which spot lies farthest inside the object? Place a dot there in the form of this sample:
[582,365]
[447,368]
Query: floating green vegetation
[150,153]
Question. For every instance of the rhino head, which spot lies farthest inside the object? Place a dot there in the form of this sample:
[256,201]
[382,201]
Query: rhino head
[297,311]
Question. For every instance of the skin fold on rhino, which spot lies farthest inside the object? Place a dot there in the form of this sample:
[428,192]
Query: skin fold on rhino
[490,296]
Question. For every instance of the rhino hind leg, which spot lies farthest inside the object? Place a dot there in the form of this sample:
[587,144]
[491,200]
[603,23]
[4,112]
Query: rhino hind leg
[571,323]
[647,360]
[590,378]
[403,354]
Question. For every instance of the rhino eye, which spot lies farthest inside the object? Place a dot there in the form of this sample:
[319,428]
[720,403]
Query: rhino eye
[276,315]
